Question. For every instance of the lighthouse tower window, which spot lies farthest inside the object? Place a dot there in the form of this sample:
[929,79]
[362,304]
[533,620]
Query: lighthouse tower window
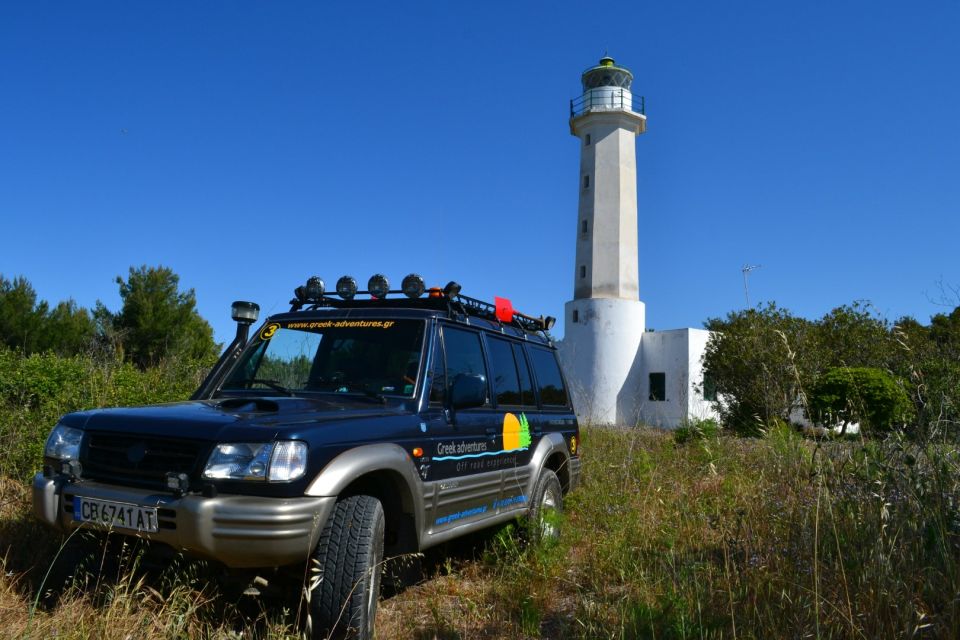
[586,182]
[583,227]
[583,272]
[586,140]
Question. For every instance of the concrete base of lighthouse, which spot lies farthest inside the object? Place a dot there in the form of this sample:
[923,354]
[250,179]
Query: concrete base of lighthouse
[600,353]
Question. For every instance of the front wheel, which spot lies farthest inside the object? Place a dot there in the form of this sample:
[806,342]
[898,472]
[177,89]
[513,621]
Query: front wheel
[546,507]
[345,571]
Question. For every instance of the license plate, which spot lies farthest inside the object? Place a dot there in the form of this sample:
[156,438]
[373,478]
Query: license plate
[118,515]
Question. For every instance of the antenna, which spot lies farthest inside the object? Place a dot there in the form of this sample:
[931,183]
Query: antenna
[746,269]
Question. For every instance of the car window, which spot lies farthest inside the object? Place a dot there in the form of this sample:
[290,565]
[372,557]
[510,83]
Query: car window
[332,356]
[552,391]
[464,354]
[503,374]
[438,377]
[527,397]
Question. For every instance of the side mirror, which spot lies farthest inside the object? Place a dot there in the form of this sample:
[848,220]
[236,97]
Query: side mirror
[468,390]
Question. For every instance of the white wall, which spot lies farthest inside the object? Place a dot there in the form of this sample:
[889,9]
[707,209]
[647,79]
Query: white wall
[698,407]
[600,358]
[678,354]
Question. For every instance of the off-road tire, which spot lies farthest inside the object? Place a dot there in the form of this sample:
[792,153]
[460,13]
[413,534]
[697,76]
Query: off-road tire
[345,571]
[545,502]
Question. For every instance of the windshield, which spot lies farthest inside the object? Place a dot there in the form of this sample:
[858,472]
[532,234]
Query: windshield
[370,357]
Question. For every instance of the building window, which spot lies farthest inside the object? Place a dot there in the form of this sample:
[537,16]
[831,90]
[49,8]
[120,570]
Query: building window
[586,182]
[709,388]
[583,227]
[586,140]
[576,316]
[583,272]
[658,387]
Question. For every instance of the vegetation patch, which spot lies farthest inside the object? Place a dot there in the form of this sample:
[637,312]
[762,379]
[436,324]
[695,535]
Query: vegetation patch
[717,537]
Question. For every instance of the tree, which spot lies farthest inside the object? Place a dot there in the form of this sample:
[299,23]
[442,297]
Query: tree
[156,320]
[760,360]
[69,329]
[28,324]
[21,317]
[864,395]
[931,362]
[853,336]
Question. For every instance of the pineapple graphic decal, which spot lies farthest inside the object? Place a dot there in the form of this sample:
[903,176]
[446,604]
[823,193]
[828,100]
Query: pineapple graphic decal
[516,432]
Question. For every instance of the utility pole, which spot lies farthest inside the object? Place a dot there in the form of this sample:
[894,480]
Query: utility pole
[747,268]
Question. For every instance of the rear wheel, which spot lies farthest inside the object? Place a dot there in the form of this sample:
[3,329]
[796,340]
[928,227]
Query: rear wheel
[345,571]
[546,507]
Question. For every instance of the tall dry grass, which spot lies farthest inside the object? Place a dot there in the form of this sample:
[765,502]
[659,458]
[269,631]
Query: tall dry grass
[712,537]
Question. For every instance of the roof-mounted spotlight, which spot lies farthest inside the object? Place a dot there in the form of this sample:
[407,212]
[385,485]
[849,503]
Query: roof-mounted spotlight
[314,288]
[452,289]
[346,287]
[413,286]
[548,322]
[378,286]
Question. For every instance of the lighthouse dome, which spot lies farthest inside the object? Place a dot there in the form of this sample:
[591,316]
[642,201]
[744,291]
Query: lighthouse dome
[606,74]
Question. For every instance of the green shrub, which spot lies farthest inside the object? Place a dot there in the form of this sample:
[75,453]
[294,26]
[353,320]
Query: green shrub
[36,390]
[862,395]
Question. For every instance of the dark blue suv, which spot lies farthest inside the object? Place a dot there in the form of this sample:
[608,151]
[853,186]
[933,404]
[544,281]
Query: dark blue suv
[345,431]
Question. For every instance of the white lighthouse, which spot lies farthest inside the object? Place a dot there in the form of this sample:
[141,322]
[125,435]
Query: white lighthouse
[618,372]
[605,321]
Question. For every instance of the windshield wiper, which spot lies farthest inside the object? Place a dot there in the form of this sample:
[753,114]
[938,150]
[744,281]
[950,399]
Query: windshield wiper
[273,384]
[354,387]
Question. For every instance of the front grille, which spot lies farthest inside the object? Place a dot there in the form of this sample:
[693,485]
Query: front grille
[140,460]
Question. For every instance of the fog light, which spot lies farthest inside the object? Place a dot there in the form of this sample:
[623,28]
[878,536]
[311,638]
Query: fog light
[178,483]
[413,286]
[314,288]
[346,287]
[378,286]
[71,468]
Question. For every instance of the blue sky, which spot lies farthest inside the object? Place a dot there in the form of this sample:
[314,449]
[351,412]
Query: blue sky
[249,145]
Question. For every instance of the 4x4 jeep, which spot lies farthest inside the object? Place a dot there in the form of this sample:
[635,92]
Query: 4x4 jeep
[345,431]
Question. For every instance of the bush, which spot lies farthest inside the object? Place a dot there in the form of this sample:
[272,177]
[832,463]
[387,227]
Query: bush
[36,390]
[867,396]
[759,359]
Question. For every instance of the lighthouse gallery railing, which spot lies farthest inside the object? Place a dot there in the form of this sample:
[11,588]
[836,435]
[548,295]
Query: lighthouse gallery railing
[603,99]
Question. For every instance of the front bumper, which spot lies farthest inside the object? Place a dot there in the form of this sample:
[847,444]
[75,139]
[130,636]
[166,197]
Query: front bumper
[239,531]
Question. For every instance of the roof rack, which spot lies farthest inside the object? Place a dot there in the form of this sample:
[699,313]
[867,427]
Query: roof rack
[312,296]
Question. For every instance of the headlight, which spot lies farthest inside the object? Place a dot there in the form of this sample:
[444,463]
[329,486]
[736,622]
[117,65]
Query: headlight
[63,443]
[271,461]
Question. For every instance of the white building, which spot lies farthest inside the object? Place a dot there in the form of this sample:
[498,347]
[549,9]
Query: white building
[619,372]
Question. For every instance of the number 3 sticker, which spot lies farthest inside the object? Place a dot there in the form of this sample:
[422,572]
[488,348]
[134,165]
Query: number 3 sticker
[267,332]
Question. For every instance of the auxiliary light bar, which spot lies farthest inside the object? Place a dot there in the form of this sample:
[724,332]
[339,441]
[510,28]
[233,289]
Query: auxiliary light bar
[413,287]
